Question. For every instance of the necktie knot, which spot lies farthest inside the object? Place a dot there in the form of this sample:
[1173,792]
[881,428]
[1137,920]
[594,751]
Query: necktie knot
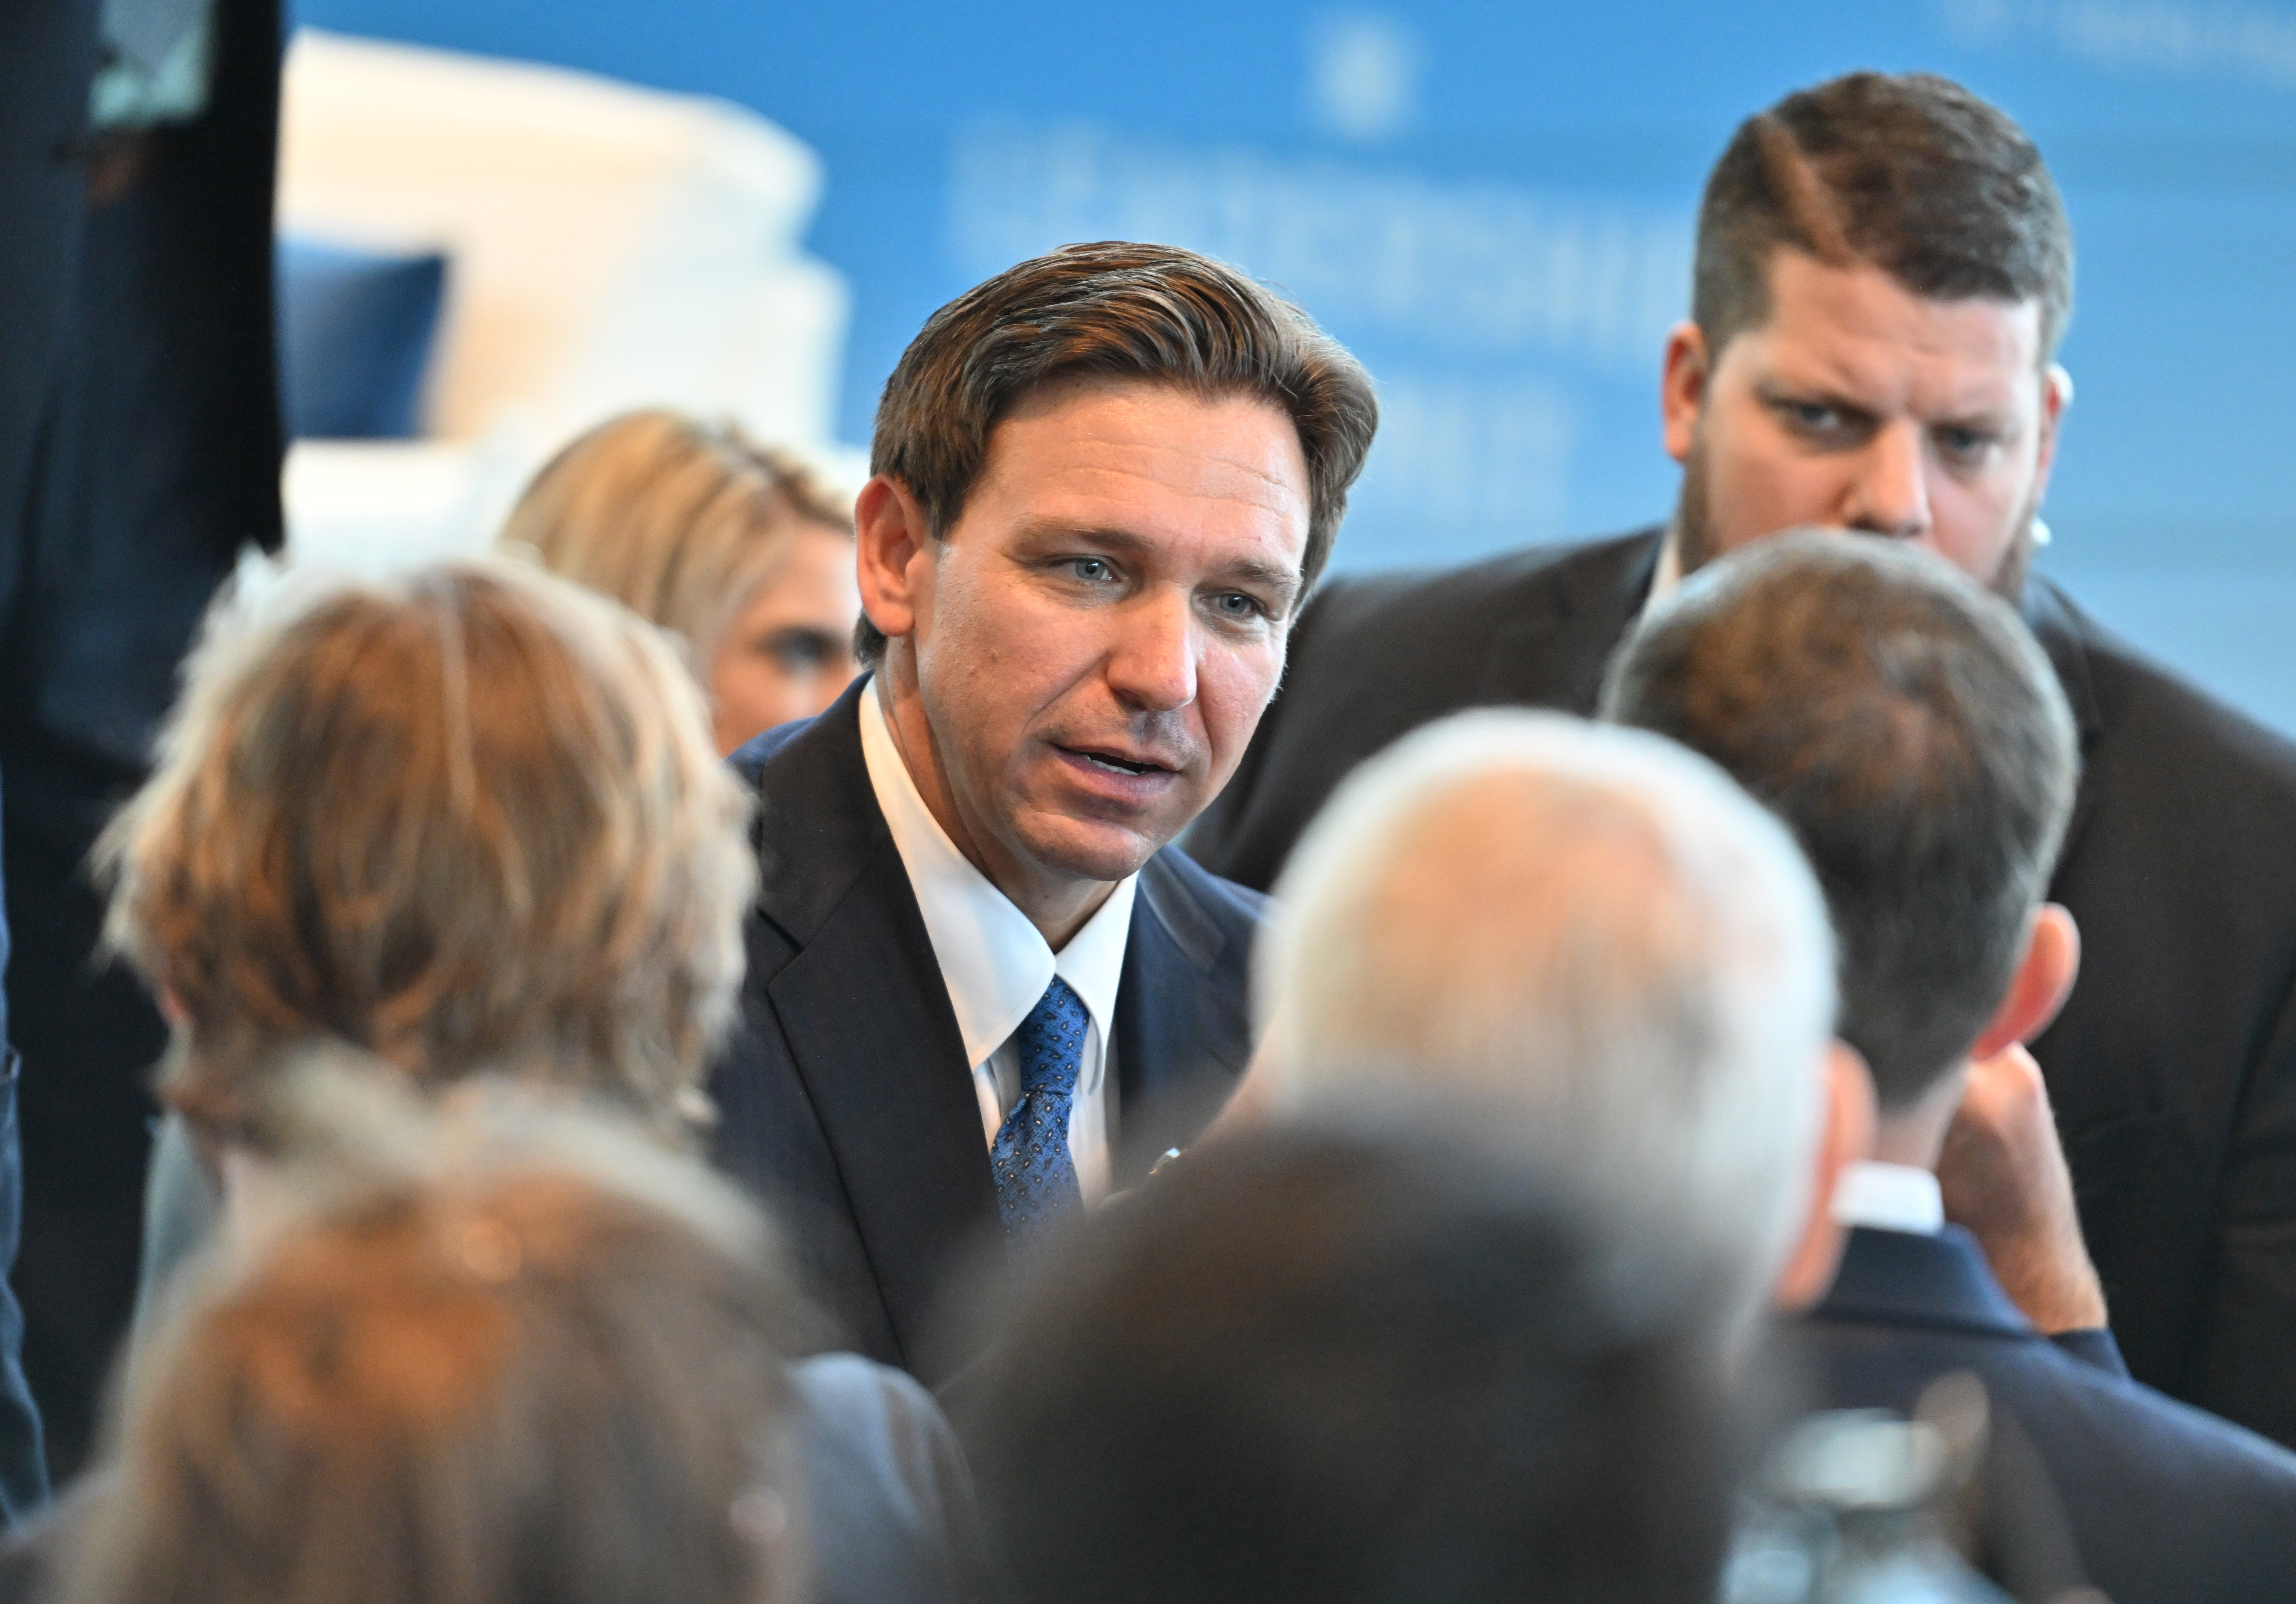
[1035,1173]
[1051,1040]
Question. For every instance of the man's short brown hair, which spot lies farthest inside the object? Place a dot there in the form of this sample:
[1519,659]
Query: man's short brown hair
[1909,730]
[1910,173]
[1113,310]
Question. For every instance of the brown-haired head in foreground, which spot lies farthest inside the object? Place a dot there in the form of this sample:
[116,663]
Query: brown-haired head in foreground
[1908,172]
[1910,731]
[1355,1364]
[531,1379]
[468,819]
[1153,314]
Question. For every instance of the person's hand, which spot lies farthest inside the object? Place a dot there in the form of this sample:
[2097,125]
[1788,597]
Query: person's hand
[2002,1172]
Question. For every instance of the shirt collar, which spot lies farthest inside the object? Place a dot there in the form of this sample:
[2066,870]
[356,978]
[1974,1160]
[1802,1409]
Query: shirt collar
[994,962]
[1890,1197]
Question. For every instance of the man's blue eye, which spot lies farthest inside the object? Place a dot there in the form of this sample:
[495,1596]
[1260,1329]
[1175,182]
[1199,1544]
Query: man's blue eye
[1090,568]
[1236,604]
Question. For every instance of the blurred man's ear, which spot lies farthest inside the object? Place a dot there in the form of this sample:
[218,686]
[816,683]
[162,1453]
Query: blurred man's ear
[1682,386]
[2056,396]
[890,534]
[2042,980]
[1846,1138]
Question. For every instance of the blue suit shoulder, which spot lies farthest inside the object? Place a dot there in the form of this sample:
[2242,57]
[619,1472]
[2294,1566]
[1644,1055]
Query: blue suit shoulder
[750,759]
[1236,907]
[888,1501]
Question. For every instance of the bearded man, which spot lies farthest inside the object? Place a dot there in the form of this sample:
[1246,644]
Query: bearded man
[1885,269]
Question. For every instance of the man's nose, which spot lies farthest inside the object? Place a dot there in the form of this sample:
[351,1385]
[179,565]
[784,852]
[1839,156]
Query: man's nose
[1153,666]
[1889,493]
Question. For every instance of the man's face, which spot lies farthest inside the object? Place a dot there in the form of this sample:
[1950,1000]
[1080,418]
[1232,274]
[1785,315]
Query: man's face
[1861,405]
[1093,644]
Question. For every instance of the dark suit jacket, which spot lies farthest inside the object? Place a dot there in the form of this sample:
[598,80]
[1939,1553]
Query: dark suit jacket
[2173,1066]
[158,437]
[47,56]
[139,450]
[846,1099]
[2165,1502]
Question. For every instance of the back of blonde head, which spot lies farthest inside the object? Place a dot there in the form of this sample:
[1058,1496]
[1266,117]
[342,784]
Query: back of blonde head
[1590,941]
[679,521]
[471,818]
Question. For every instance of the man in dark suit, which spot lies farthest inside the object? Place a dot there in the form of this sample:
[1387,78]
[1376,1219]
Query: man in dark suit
[1915,737]
[1883,268]
[139,451]
[982,989]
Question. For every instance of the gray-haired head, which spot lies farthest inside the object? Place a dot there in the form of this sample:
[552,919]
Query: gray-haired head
[1593,940]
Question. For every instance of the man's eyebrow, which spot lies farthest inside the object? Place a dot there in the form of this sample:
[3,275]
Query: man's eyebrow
[1780,392]
[1128,542]
[1108,539]
[1283,582]
[1774,392]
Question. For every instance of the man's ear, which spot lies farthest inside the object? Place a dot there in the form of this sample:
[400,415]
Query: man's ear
[1682,386]
[1846,1137]
[2044,978]
[2056,396]
[890,535]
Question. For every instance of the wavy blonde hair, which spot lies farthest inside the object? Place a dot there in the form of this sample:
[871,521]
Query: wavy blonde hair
[677,519]
[469,818]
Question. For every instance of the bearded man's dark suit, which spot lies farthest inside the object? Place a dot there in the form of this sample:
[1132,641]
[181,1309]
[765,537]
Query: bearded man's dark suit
[2173,1066]
[846,1100]
[2166,1504]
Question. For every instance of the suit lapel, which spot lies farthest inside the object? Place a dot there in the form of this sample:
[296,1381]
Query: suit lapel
[2061,628]
[867,1018]
[1183,1037]
[1566,621]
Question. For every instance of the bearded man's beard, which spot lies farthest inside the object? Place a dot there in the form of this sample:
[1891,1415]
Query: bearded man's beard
[1694,539]
[1694,530]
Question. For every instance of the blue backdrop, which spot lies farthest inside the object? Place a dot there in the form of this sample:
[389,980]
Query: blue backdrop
[1491,205]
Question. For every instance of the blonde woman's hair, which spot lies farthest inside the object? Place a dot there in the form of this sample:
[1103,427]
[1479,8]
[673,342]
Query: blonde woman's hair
[677,519]
[546,1362]
[468,819]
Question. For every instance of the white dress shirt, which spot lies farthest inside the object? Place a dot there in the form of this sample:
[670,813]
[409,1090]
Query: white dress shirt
[1890,1197]
[997,964]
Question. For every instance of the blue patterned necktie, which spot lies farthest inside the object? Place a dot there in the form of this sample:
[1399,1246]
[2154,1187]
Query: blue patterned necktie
[1036,1175]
